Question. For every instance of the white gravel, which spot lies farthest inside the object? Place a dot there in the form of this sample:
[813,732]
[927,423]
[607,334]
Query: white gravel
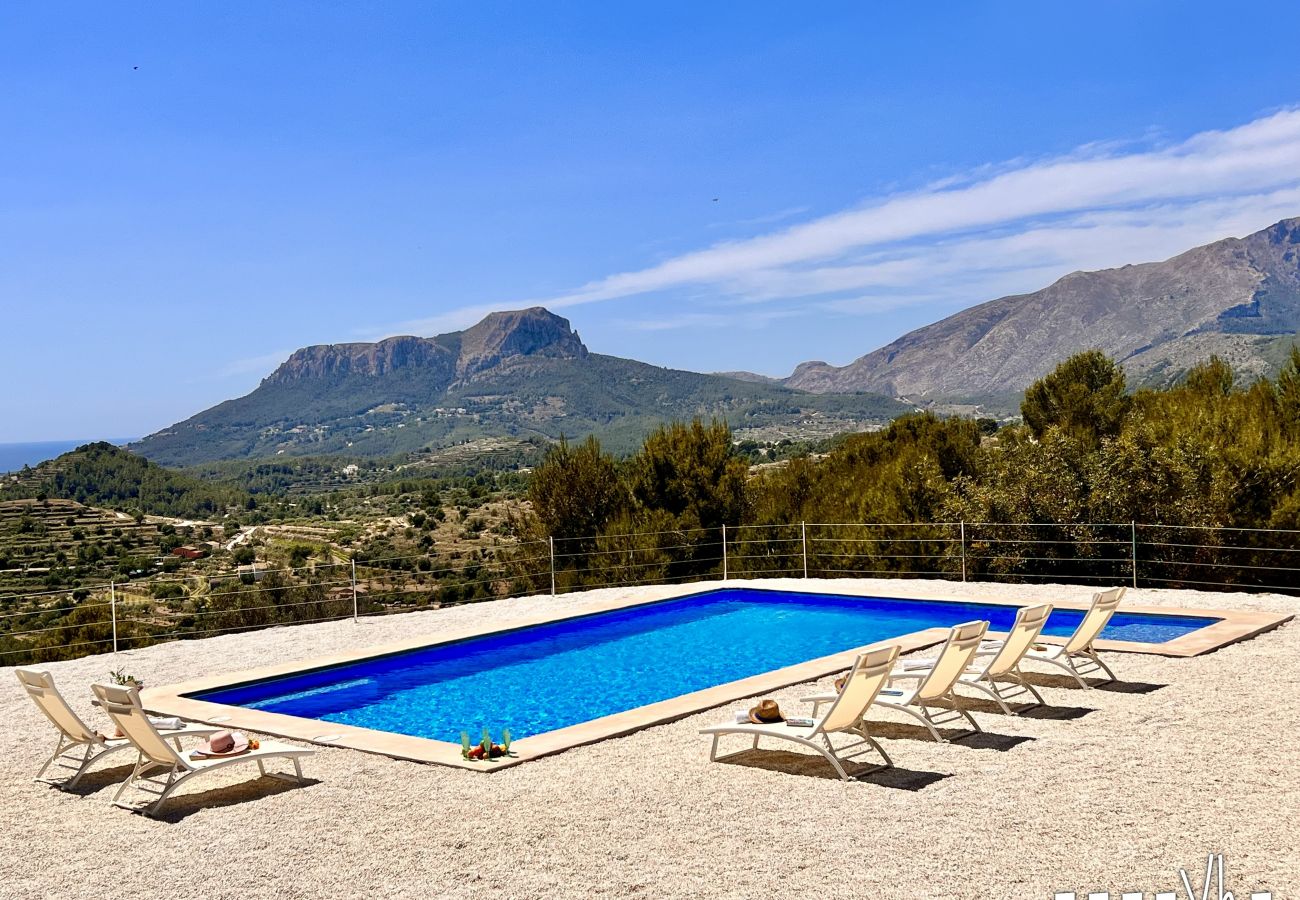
[1109,790]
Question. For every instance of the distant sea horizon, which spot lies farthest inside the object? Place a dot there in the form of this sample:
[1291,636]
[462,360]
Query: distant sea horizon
[14,456]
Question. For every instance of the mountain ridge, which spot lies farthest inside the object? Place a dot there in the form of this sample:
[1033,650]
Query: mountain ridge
[516,373]
[1237,297]
[499,336]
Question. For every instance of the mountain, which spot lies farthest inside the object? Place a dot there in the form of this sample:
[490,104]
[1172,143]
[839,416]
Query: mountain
[1238,298]
[749,376]
[518,373]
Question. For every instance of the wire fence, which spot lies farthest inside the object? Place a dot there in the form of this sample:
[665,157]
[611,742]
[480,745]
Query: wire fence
[117,616]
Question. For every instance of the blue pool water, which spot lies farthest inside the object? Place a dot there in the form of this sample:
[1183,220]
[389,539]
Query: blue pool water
[545,677]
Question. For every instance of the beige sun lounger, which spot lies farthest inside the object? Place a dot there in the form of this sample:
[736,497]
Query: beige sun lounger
[933,686]
[1077,657]
[865,680]
[80,746]
[174,767]
[998,673]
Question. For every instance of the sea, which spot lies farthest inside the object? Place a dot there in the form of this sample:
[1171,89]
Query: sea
[14,456]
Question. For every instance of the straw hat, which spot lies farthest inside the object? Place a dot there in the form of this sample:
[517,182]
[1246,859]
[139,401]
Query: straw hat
[765,713]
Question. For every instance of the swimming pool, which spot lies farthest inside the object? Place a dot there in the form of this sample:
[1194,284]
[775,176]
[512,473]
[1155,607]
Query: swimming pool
[553,675]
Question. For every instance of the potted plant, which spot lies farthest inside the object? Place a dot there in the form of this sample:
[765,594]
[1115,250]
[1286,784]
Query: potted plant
[120,677]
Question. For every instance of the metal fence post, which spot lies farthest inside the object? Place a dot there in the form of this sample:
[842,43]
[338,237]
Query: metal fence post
[112,606]
[1134,535]
[724,551]
[803,532]
[354,590]
[963,550]
[552,540]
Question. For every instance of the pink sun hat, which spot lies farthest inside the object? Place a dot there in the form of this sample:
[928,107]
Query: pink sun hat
[223,743]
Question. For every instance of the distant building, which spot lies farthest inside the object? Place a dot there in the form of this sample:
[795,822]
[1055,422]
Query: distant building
[190,552]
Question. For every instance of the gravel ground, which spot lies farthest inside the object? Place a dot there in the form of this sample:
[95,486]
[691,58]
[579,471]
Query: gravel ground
[1110,789]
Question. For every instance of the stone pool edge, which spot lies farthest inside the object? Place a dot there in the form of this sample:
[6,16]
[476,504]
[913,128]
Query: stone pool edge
[1234,626]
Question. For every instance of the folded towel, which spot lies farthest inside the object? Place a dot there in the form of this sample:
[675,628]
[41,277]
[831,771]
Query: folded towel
[742,717]
[166,723]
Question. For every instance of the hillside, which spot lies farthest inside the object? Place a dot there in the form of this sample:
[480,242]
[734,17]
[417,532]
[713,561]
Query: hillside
[515,374]
[1238,298]
[47,543]
[104,475]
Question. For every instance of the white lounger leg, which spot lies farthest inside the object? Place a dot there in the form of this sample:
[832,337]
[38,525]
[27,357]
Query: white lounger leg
[992,692]
[63,747]
[79,764]
[1066,665]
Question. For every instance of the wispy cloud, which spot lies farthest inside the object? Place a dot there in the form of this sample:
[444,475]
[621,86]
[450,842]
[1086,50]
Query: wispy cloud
[254,365]
[725,318]
[768,219]
[1001,228]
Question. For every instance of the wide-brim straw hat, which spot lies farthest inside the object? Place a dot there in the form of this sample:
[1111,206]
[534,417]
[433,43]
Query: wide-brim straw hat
[766,713]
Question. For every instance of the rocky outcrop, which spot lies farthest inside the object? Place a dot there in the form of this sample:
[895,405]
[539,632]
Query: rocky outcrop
[525,332]
[388,355]
[498,338]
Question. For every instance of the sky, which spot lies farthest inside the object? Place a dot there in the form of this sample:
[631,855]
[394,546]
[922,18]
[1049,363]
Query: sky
[189,192]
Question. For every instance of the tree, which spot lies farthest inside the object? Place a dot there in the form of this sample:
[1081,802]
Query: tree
[692,473]
[576,491]
[1084,397]
[1212,378]
[1288,393]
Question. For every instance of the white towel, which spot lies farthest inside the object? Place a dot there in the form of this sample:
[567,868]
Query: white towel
[166,723]
[742,716]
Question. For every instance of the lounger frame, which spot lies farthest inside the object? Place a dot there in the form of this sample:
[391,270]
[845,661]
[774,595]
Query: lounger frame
[74,734]
[160,770]
[866,678]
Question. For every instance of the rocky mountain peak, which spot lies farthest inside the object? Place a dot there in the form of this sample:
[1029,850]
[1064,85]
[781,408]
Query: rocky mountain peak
[523,332]
[499,337]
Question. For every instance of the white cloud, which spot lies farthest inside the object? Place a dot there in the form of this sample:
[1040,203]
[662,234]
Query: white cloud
[722,319]
[1003,228]
[1261,156]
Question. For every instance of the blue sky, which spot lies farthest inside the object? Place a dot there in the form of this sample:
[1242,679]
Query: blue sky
[188,192]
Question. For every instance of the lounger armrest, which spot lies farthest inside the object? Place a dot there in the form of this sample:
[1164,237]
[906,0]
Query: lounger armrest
[904,675]
[826,697]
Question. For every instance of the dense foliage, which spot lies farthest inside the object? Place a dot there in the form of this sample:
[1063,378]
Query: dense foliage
[1089,459]
[101,474]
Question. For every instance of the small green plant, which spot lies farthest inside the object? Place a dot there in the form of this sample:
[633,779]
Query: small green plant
[120,677]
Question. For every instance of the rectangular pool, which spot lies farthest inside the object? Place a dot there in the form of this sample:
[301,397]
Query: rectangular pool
[556,674]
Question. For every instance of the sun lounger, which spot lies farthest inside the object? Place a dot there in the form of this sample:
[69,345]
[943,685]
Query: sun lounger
[1077,657]
[933,686]
[172,767]
[864,682]
[79,746]
[998,673]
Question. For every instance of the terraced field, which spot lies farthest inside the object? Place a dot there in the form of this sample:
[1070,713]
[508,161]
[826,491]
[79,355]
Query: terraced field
[48,544]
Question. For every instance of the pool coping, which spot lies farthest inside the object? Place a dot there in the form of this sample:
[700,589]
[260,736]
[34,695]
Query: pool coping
[1234,626]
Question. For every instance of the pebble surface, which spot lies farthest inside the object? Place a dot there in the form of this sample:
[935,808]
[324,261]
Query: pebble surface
[1104,790]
